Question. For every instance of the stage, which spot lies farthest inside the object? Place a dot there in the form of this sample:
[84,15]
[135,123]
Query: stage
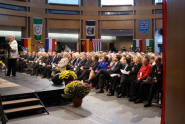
[27,84]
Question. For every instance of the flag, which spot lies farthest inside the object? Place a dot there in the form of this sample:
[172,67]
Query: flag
[50,45]
[85,45]
[137,44]
[96,45]
[37,26]
[149,45]
[27,44]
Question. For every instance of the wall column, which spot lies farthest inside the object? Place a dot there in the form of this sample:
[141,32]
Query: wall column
[143,14]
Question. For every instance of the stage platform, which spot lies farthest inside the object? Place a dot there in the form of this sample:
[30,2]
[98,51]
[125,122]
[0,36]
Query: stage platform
[27,84]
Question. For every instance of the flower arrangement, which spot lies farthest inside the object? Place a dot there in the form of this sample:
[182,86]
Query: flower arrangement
[76,89]
[64,77]
[2,65]
[67,74]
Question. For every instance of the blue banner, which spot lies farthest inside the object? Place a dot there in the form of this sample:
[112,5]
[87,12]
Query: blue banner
[144,26]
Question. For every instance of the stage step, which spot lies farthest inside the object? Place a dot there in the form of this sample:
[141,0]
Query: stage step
[8,111]
[19,101]
[21,105]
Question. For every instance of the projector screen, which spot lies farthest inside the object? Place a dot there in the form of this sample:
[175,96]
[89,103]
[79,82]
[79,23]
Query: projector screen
[117,2]
[69,2]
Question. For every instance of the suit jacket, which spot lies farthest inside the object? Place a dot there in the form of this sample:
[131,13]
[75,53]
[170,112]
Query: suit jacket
[135,69]
[14,50]
[77,61]
[55,60]
[157,72]
[94,65]
[73,61]
[88,64]
[30,58]
[116,69]
[82,62]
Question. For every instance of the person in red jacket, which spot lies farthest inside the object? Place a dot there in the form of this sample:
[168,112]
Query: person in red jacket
[142,75]
[144,70]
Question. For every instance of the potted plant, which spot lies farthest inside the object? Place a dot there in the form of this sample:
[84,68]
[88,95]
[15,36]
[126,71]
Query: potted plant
[64,77]
[76,90]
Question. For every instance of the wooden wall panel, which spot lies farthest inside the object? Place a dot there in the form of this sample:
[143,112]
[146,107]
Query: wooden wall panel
[175,63]
[12,21]
[65,24]
[117,24]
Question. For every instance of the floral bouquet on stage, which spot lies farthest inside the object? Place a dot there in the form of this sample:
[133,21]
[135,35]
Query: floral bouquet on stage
[64,77]
[76,90]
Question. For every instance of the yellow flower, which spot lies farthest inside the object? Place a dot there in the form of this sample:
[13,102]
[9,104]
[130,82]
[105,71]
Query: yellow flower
[67,74]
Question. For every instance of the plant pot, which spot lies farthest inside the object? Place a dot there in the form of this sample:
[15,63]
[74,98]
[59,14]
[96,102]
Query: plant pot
[77,102]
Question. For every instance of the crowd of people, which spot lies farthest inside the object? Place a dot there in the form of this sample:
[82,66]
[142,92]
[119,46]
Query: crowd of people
[137,76]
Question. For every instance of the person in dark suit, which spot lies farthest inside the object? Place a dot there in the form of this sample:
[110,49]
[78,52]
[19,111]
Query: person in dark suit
[81,63]
[85,66]
[105,75]
[133,78]
[78,59]
[156,81]
[91,65]
[46,67]
[124,82]
[72,62]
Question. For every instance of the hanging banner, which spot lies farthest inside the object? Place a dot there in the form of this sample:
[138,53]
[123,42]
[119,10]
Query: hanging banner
[144,26]
[27,44]
[85,45]
[37,27]
[90,30]
[96,45]
[137,45]
[149,45]
[50,45]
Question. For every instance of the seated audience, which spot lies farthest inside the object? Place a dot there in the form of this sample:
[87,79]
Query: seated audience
[105,75]
[137,76]
[90,65]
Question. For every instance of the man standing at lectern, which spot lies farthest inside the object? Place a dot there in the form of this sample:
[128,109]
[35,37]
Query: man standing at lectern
[12,56]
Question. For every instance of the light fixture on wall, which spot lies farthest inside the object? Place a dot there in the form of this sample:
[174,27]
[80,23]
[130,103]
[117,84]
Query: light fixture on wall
[4,33]
[63,35]
[108,37]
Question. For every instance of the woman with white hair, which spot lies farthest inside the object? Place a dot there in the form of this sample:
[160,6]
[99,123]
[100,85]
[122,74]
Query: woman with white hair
[12,56]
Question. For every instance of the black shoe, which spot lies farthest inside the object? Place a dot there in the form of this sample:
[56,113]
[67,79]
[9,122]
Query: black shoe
[119,95]
[148,105]
[138,101]
[132,99]
[100,91]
